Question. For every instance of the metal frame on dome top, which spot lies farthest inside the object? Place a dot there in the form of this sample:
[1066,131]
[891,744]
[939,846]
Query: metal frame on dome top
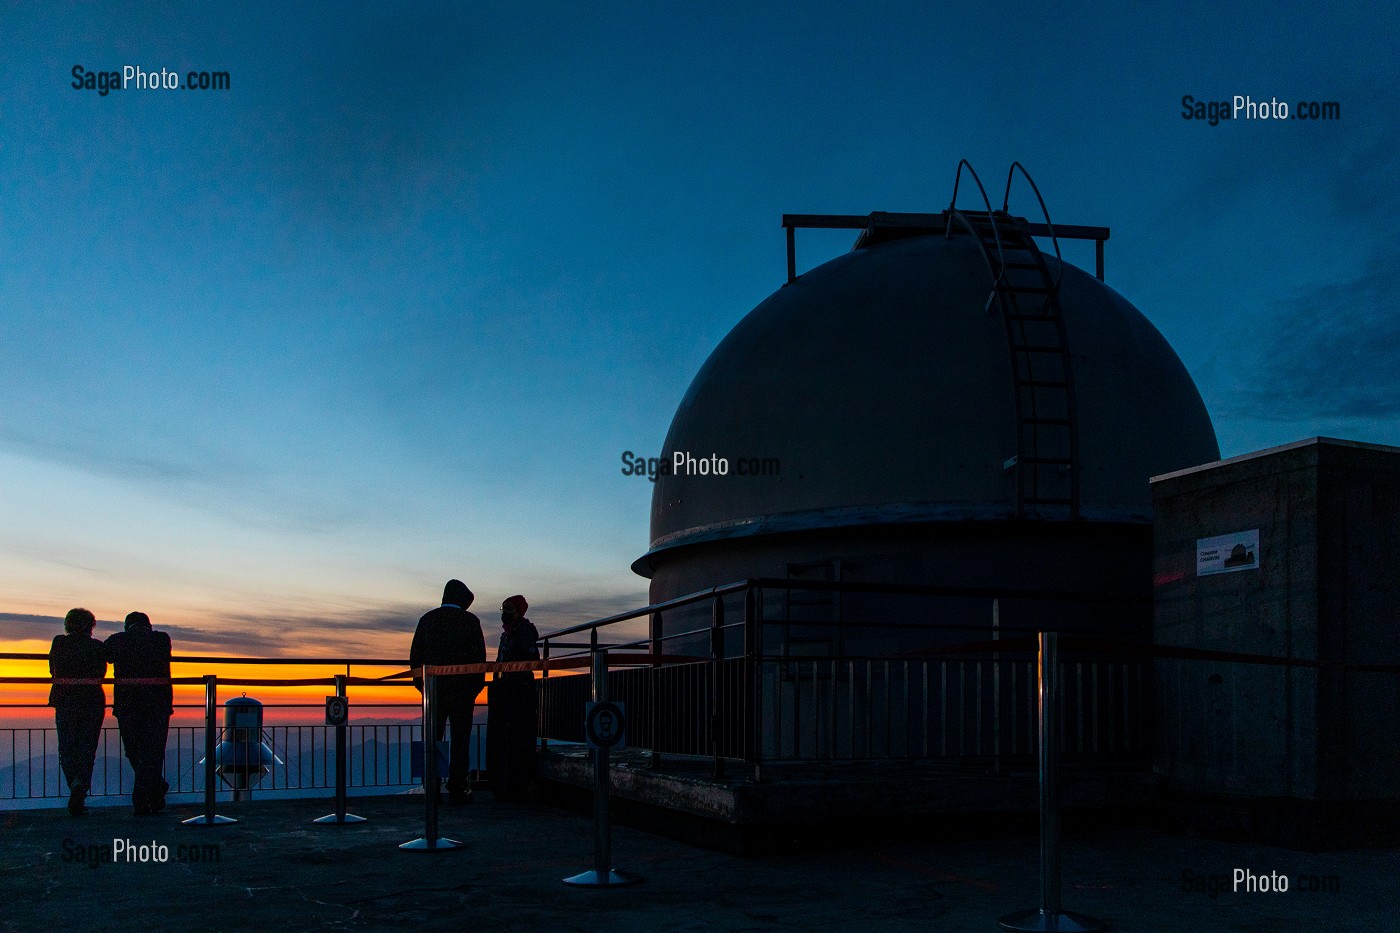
[933,223]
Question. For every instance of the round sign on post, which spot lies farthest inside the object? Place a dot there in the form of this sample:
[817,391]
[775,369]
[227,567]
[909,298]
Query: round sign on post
[605,724]
[337,711]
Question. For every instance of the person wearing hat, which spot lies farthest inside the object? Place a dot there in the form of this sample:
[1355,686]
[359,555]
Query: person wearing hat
[513,707]
[142,710]
[78,709]
[450,634]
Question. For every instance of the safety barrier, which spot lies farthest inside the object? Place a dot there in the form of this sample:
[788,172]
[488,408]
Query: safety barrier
[309,758]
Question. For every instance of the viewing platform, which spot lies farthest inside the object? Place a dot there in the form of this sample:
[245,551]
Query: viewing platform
[276,870]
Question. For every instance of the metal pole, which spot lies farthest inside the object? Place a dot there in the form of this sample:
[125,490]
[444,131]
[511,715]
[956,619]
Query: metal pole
[753,635]
[429,841]
[996,686]
[1049,916]
[211,703]
[544,695]
[656,635]
[602,783]
[340,816]
[750,743]
[1049,695]
[340,755]
[716,708]
[602,875]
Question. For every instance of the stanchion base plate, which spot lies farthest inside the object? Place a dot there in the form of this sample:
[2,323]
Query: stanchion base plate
[612,879]
[423,844]
[214,820]
[1038,921]
[336,818]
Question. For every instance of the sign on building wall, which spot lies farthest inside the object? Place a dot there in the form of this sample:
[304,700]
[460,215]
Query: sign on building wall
[1228,553]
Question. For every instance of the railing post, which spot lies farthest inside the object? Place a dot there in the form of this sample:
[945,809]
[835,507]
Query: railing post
[430,841]
[340,816]
[716,705]
[753,681]
[1049,916]
[211,704]
[655,636]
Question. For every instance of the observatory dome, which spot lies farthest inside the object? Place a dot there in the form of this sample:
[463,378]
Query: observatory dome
[878,390]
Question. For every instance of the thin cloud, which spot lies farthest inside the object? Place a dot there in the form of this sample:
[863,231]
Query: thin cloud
[1330,353]
[1328,350]
[19,627]
[348,635]
[556,614]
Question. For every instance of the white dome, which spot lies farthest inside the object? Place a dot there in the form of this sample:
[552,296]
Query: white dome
[882,384]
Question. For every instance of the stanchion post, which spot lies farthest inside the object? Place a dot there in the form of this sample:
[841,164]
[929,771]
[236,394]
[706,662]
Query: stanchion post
[340,816]
[211,705]
[544,695]
[602,875]
[602,777]
[1049,916]
[430,841]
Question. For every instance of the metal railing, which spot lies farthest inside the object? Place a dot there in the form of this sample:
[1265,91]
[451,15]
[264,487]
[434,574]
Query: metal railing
[379,755]
[757,671]
[379,759]
[748,672]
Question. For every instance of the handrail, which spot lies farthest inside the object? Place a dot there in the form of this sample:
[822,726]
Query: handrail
[986,258]
[991,216]
[1006,201]
[676,602]
[214,659]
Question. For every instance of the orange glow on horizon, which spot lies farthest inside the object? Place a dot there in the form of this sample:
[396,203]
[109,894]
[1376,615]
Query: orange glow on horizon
[309,699]
[189,698]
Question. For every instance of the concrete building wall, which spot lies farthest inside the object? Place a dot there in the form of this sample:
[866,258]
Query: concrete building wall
[1327,514]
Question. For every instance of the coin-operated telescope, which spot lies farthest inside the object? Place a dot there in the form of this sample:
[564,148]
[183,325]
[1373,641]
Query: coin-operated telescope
[242,758]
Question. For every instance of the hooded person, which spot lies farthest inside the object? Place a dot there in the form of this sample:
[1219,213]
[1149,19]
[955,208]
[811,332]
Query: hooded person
[450,634]
[513,707]
[78,709]
[142,709]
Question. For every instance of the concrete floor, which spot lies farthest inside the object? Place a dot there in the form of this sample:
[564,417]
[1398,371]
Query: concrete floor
[276,871]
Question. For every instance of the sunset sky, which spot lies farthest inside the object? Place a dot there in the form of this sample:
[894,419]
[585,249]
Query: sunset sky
[277,361]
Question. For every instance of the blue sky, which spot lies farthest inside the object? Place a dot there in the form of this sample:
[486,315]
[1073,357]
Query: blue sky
[277,361]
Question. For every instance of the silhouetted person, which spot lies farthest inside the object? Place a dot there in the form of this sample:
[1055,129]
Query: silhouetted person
[513,707]
[78,709]
[142,710]
[450,634]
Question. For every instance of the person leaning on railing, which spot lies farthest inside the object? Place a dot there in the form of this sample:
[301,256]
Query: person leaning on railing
[78,709]
[143,710]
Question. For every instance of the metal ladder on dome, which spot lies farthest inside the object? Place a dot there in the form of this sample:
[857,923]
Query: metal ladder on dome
[1046,461]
